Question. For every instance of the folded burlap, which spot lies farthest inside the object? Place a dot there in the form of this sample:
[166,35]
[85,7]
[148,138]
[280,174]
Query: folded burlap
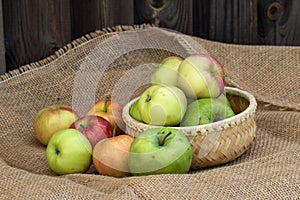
[103,63]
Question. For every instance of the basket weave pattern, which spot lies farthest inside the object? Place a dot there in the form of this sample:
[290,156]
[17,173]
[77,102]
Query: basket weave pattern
[232,143]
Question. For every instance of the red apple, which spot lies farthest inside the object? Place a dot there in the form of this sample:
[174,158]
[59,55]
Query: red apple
[52,119]
[94,128]
[110,156]
[111,111]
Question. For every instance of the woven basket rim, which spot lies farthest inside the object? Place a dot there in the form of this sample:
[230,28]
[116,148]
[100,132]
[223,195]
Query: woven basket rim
[206,128]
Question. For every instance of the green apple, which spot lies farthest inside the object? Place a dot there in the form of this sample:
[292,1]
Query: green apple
[134,112]
[69,151]
[224,99]
[205,111]
[190,100]
[168,66]
[160,151]
[162,105]
[201,76]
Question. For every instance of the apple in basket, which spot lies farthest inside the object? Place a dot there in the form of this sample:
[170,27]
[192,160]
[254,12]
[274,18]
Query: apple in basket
[52,119]
[207,110]
[134,112]
[201,76]
[160,151]
[224,99]
[166,72]
[110,156]
[69,151]
[161,105]
[111,111]
[95,128]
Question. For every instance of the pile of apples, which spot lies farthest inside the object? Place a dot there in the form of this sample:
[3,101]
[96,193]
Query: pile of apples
[73,143]
[183,92]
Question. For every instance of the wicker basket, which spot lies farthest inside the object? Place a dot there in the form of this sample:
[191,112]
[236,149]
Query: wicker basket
[218,142]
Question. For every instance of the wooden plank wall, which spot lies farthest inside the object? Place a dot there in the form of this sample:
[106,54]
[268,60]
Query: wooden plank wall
[2,47]
[278,22]
[91,15]
[35,29]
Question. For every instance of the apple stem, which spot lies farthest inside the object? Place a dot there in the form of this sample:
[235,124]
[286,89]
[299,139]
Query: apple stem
[83,127]
[57,103]
[161,142]
[148,98]
[57,151]
[114,131]
[199,120]
[217,74]
[105,103]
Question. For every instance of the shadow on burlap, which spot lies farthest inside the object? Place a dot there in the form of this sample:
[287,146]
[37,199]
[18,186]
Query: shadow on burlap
[268,170]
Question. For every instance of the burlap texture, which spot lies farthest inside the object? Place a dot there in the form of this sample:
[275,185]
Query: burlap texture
[268,170]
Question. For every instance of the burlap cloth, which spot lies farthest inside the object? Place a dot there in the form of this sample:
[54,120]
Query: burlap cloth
[270,169]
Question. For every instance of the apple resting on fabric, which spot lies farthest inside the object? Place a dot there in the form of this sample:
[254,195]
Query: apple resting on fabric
[160,151]
[110,156]
[69,151]
[52,119]
[111,111]
[94,128]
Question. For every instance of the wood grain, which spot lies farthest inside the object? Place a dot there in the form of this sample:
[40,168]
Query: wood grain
[2,47]
[287,27]
[230,21]
[279,22]
[85,17]
[175,14]
[61,20]
[116,12]
[32,31]
[90,15]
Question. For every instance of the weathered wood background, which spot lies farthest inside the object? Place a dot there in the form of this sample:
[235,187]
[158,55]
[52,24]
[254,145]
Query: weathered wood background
[33,29]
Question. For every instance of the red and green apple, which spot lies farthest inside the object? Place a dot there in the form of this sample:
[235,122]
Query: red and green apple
[111,111]
[95,128]
[201,76]
[110,156]
[52,119]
